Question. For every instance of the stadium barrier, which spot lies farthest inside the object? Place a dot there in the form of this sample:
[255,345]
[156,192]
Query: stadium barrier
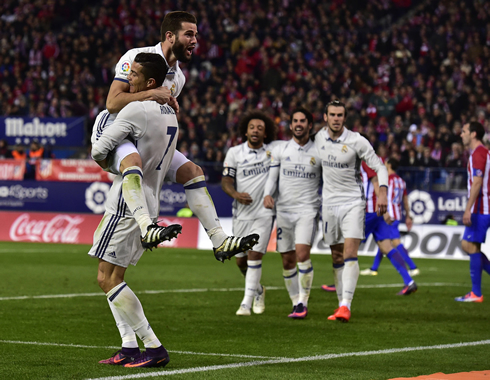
[423,241]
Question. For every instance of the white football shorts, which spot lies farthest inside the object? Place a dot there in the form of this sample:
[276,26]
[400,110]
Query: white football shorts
[127,147]
[343,221]
[295,228]
[117,240]
[262,226]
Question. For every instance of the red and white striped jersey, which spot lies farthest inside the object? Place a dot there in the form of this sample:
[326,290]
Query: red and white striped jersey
[397,188]
[367,173]
[479,166]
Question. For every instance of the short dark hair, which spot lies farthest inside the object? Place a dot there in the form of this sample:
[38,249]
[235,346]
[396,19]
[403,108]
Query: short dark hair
[304,111]
[270,127]
[335,103]
[394,163]
[476,127]
[172,22]
[153,66]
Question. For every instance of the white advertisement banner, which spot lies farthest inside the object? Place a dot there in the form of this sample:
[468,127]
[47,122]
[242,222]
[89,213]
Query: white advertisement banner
[423,241]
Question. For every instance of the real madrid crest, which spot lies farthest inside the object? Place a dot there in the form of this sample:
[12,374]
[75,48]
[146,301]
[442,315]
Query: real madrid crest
[312,161]
[344,149]
[268,153]
[172,89]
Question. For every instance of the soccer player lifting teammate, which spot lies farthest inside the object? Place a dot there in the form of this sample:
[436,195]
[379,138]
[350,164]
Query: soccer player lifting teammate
[476,217]
[178,39]
[245,172]
[344,203]
[295,174]
[117,238]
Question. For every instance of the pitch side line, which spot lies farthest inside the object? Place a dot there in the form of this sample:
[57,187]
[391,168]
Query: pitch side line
[296,360]
[203,290]
[118,347]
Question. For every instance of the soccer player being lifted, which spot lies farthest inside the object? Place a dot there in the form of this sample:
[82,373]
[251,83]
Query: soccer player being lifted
[178,39]
[295,175]
[344,202]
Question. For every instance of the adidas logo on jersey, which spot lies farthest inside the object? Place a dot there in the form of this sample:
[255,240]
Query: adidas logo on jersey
[112,254]
[288,159]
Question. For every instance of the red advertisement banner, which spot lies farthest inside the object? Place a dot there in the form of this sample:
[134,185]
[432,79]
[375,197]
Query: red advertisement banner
[71,170]
[77,228]
[12,170]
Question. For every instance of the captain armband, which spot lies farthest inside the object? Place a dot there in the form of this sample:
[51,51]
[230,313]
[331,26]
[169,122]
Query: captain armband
[229,172]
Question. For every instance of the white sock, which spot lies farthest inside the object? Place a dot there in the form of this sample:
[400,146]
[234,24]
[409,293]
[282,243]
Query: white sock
[252,281]
[127,334]
[202,206]
[337,275]
[349,279]
[129,308]
[134,196]
[292,285]
[305,280]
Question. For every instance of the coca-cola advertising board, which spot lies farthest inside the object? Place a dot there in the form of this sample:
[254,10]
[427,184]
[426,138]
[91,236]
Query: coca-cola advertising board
[77,228]
[71,170]
[12,169]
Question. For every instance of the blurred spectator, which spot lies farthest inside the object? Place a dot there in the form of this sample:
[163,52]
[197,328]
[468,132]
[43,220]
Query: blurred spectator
[19,153]
[4,149]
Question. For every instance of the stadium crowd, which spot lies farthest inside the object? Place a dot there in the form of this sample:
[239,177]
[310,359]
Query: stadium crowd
[411,72]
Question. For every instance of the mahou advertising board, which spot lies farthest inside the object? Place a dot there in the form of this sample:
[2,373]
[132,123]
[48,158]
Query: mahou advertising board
[76,228]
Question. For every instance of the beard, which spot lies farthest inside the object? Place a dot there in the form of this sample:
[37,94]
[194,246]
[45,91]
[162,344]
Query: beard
[179,50]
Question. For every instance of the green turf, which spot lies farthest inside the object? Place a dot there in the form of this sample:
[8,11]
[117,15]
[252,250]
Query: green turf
[205,322]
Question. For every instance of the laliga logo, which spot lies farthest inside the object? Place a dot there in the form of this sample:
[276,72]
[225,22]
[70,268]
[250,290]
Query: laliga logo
[421,205]
[95,197]
[125,67]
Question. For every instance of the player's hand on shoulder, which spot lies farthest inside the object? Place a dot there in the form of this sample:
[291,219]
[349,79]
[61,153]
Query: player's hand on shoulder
[268,202]
[244,198]
[161,95]
[174,104]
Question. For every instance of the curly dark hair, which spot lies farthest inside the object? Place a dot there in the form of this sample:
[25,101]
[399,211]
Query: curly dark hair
[270,127]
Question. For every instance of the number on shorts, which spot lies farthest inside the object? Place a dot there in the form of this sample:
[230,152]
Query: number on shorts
[170,131]
[279,232]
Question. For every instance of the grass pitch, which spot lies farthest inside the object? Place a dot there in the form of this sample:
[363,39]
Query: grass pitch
[55,322]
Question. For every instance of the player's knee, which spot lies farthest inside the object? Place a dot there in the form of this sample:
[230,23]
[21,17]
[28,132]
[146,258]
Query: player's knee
[133,159]
[187,172]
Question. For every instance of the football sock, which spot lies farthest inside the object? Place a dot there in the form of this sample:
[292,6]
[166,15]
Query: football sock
[129,308]
[305,280]
[377,261]
[405,256]
[485,263]
[202,206]
[127,334]
[252,281]
[397,261]
[349,281]
[244,271]
[338,270]
[475,272]
[292,285]
[134,196]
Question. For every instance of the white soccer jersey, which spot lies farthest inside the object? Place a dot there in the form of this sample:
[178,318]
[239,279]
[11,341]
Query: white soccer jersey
[296,173]
[341,162]
[175,81]
[250,168]
[155,130]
